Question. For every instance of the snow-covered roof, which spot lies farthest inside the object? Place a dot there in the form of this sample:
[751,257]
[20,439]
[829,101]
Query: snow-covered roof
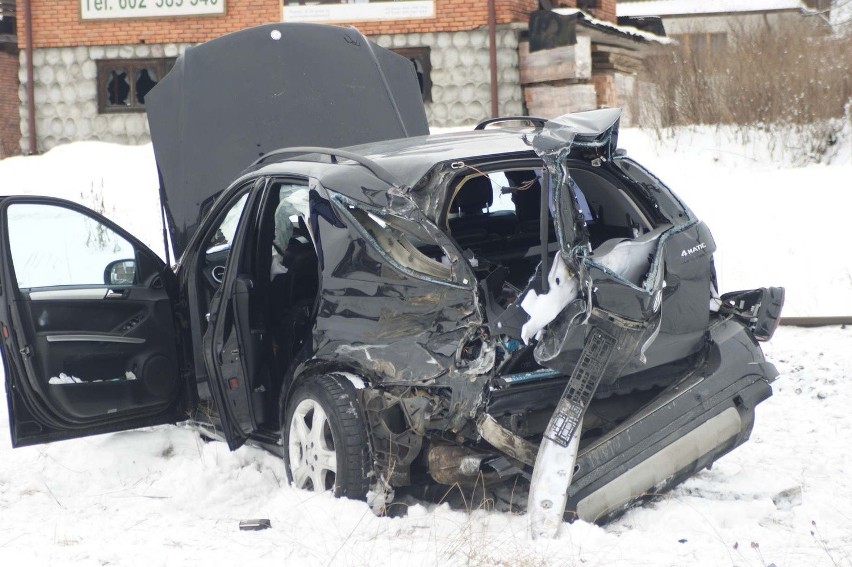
[690,7]
[614,28]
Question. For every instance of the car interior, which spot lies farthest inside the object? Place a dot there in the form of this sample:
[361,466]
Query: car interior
[495,216]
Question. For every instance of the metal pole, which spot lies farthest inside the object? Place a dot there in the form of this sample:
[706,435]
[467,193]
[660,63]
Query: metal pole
[28,33]
[492,55]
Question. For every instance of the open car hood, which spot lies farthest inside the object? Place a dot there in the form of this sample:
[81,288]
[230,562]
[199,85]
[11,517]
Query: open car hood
[233,99]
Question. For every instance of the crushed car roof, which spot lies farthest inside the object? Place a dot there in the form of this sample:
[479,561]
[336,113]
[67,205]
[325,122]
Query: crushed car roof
[408,160]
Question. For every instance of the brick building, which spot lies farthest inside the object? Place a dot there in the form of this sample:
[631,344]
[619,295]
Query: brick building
[93,61]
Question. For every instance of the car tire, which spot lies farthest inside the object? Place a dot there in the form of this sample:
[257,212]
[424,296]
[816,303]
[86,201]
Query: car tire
[325,438]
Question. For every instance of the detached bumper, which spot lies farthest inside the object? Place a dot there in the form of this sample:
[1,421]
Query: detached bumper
[684,429]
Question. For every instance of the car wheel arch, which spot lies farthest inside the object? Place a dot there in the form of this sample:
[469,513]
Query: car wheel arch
[310,370]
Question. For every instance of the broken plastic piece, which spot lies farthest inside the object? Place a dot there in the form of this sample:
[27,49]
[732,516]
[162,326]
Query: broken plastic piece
[760,309]
[557,456]
[580,389]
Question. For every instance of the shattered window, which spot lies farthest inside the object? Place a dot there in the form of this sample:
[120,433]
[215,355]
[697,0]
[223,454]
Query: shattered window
[118,87]
[404,243]
[123,84]
[496,209]
[146,79]
[659,199]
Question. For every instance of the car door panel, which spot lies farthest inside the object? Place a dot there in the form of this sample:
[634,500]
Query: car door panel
[117,345]
[231,347]
[88,357]
[232,353]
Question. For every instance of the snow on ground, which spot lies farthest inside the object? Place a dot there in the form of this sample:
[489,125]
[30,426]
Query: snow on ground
[161,496]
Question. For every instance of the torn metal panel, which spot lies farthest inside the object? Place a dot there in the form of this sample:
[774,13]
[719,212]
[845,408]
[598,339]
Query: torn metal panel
[501,438]
[399,317]
[404,216]
[552,473]
[686,284]
[594,131]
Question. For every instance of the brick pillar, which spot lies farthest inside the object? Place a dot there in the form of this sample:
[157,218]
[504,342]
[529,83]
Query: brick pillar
[605,10]
[10,121]
[605,90]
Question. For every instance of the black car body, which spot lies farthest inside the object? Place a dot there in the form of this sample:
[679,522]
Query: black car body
[424,294]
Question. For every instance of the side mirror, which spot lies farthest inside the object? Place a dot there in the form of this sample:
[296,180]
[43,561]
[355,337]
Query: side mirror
[120,272]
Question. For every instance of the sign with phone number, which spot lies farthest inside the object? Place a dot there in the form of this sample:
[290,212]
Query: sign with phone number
[112,9]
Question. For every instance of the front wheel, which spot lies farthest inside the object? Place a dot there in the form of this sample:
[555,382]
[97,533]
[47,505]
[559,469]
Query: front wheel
[325,438]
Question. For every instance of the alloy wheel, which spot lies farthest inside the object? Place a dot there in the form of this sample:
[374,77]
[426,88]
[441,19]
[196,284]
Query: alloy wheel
[313,456]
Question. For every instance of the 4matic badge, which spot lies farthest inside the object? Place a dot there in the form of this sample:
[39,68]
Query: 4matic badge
[690,251]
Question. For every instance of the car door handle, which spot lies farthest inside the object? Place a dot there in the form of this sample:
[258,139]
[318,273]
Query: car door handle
[117,294]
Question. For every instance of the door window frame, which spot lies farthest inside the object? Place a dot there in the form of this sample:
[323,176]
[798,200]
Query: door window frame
[27,403]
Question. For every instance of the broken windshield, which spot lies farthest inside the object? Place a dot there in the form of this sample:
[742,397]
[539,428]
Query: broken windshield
[660,196]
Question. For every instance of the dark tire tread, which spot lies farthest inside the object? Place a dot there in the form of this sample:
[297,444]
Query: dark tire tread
[337,396]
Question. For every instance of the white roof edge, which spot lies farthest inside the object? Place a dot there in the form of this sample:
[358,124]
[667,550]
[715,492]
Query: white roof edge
[687,7]
[626,30]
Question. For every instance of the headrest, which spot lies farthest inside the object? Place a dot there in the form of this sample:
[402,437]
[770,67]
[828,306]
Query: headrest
[518,178]
[476,194]
[528,201]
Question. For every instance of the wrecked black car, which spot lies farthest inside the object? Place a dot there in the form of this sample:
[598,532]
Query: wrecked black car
[385,307]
